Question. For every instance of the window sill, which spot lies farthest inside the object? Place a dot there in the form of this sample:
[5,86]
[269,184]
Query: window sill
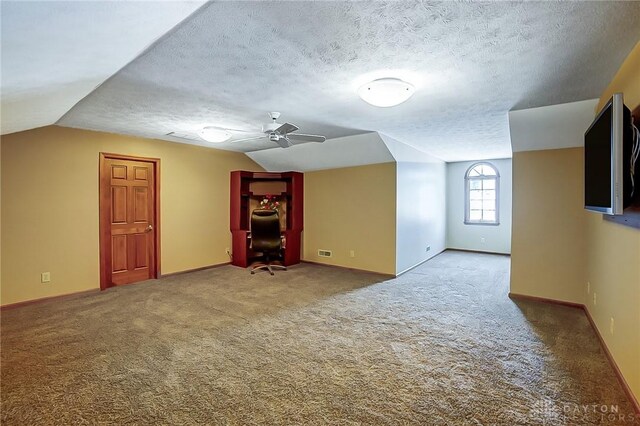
[466,222]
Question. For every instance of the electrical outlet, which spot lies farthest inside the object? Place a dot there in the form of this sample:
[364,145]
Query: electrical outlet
[595,300]
[482,240]
[588,287]
[428,248]
[611,324]
[45,277]
[352,253]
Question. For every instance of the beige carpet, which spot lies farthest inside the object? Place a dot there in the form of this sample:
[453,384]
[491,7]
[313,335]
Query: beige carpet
[441,345]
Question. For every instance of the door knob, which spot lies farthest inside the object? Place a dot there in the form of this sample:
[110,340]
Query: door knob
[149,228]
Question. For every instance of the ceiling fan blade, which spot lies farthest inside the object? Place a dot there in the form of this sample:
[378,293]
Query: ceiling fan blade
[284,142]
[302,138]
[255,138]
[232,129]
[286,128]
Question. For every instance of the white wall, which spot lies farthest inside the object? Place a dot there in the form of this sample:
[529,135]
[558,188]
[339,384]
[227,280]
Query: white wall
[420,212]
[497,239]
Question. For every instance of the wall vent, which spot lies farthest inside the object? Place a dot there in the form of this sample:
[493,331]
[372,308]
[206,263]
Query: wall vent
[324,253]
[184,136]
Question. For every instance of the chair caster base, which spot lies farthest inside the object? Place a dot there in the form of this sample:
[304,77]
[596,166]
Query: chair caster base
[269,267]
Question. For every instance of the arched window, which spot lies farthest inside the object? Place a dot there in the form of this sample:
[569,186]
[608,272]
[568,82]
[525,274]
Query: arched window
[482,189]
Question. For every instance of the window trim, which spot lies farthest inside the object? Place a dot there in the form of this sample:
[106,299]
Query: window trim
[467,195]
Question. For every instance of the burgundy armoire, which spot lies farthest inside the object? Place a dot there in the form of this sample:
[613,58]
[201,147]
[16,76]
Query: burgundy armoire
[247,189]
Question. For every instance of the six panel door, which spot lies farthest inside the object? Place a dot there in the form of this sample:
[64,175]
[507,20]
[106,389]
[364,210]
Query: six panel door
[128,194]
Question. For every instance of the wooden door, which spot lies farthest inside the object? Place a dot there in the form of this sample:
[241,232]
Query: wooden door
[128,220]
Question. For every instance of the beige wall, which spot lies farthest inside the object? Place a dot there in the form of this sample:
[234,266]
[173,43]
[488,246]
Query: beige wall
[557,248]
[352,208]
[50,207]
[613,259]
[548,243]
[613,272]
[0,218]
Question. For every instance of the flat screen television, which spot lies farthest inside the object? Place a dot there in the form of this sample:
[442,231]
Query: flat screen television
[607,143]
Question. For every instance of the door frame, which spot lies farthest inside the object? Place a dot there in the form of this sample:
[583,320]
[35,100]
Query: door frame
[105,228]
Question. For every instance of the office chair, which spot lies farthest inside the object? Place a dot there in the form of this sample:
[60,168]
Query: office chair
[265,238]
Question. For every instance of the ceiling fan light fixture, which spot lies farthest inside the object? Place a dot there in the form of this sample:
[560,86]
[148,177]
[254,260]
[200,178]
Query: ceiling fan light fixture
[214,134]
[386,92]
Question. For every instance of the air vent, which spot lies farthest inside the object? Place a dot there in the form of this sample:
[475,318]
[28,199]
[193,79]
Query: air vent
[324,253]
[185,136]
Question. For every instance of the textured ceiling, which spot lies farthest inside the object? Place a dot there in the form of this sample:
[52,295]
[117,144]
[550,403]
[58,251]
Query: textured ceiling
[471,62]
[55,53]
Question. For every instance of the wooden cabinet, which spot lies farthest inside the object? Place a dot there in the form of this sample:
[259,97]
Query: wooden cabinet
[247,189]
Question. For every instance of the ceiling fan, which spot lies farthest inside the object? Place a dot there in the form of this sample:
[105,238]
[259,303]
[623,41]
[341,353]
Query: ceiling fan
[282,134]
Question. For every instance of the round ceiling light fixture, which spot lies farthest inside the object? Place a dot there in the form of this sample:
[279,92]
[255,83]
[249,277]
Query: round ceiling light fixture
[214,134]
[386,92]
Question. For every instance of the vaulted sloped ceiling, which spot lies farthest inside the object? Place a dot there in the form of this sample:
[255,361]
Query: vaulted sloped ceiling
[551,127]
[232,62]
[54,53]
[347,151]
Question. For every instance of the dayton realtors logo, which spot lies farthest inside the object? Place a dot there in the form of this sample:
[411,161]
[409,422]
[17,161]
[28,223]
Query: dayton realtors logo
[596,413]
[549,412]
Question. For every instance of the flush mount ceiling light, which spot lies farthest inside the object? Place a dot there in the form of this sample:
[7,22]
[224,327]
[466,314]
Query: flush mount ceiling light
[386,92]
[214,134]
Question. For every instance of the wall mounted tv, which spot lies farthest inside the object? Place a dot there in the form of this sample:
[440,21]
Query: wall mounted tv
[609,159]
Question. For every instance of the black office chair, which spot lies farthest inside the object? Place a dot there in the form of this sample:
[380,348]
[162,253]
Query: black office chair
[265,238]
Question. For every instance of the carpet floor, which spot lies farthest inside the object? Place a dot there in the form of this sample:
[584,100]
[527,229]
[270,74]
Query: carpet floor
[315,345]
